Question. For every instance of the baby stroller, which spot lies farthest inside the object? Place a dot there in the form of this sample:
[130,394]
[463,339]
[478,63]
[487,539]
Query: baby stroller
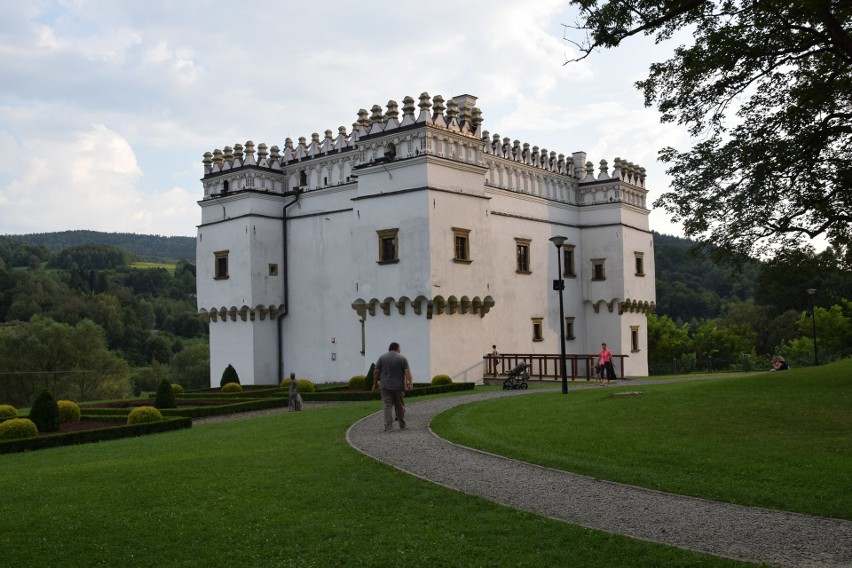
[518,377]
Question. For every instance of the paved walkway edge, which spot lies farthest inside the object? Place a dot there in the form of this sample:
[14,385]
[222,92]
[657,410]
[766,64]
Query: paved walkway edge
[732,531]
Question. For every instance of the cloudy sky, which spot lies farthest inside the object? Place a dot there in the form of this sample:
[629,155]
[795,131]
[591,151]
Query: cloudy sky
[107,106]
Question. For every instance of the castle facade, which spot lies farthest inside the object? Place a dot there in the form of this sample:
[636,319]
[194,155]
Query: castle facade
[420,227]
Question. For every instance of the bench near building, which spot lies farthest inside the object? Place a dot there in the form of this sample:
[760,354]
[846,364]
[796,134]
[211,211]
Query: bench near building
[417,226]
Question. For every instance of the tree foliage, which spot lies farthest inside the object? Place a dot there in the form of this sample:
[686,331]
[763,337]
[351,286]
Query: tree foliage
[766,89]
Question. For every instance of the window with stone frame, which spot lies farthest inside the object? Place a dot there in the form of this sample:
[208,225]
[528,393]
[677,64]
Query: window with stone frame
[598,269]
[568,270]
[640,263]
[461,245]
[388,246]
[634,338]
[538,329]
[569,328]
[522,252]
[220,265]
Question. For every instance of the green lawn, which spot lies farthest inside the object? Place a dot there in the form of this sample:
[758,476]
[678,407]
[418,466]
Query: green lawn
[778,440]
[276,491]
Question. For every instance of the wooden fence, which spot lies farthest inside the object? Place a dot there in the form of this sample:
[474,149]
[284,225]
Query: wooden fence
[546,367]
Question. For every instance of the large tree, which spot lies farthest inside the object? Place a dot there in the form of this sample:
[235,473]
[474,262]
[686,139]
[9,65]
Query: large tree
[765,89]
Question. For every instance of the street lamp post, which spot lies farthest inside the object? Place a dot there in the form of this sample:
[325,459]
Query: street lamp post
[559,285]
[812,292]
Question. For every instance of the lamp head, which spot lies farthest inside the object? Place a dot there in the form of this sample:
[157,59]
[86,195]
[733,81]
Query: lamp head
[811,291]
[558,240]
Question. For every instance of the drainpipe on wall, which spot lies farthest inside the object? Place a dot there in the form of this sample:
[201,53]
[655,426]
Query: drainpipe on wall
[296,192]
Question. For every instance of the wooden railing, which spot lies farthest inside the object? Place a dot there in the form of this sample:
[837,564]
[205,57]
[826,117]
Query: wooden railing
[544,367]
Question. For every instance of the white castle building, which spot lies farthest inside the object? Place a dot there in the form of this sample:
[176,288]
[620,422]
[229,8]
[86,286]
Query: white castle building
[420,227]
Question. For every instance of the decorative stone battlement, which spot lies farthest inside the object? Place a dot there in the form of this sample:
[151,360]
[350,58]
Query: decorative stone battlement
[328,160]
[421,305]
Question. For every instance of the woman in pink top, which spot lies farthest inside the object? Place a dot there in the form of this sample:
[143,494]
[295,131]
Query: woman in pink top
[605,364]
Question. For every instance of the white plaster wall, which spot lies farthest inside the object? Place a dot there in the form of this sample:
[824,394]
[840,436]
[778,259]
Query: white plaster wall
[246,346]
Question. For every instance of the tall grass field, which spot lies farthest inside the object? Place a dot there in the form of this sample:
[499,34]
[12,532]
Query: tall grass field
[287,490]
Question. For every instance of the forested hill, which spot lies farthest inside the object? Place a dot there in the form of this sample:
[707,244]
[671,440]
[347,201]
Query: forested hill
[693,286]
[145,247]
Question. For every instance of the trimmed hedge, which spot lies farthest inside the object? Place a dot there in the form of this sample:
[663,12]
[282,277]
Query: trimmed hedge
[69,411]
[358,383]
[419,390]
[143,415]
[232,388]
[98,435]
[441,380]
[45,412]
[17,429]
[8,411]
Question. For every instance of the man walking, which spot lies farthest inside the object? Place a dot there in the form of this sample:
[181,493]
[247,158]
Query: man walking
[394,377]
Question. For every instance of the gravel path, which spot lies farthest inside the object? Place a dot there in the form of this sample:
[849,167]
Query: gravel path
[722,529]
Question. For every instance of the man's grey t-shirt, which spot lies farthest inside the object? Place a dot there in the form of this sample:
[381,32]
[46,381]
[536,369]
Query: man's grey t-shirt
[391,367]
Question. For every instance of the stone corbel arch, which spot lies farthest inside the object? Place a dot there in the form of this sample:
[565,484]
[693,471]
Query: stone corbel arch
[452,305]
[487,304]
[439,304]
[400,304]
[243,311]
[476,305]
[465,304]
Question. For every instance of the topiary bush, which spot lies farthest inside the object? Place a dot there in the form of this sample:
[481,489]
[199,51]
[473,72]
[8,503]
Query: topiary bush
[304,385]
[357,383]
[45,412]
[232,387]
[229,376]
[438,380]
[69,411]
[369,382]
[165,395]
[177,389]
[17,428]
[143,414]
[8,411]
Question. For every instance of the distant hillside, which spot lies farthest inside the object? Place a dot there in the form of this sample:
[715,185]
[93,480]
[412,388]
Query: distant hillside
[146,247]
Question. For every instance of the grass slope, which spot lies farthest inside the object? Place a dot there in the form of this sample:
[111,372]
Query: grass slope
[283,490]
[778,440]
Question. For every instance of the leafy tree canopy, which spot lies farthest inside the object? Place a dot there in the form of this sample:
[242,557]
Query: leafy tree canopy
[766,88]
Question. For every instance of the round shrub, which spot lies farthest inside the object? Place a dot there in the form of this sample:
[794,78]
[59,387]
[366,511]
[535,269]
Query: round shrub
[143,414]
[304,385]
[357,382]
[8,411]
[232,387]
[177,389]
[17,428]
[68,411]
[165,395]
[45,412]
[441,380]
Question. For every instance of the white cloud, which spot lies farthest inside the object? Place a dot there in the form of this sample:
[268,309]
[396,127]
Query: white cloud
[164,82]
[90,182]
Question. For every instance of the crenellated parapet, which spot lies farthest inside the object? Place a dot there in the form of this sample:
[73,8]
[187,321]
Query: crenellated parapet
[450,129]
[423,306]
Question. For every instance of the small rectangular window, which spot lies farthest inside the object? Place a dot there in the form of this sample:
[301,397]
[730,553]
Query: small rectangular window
[273,270]
[522,250]
[640,263]
[568,261]
[634,338]
[569,328]
[598,272]
[537,329]
[461,245]
[220,265]
[388,246]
